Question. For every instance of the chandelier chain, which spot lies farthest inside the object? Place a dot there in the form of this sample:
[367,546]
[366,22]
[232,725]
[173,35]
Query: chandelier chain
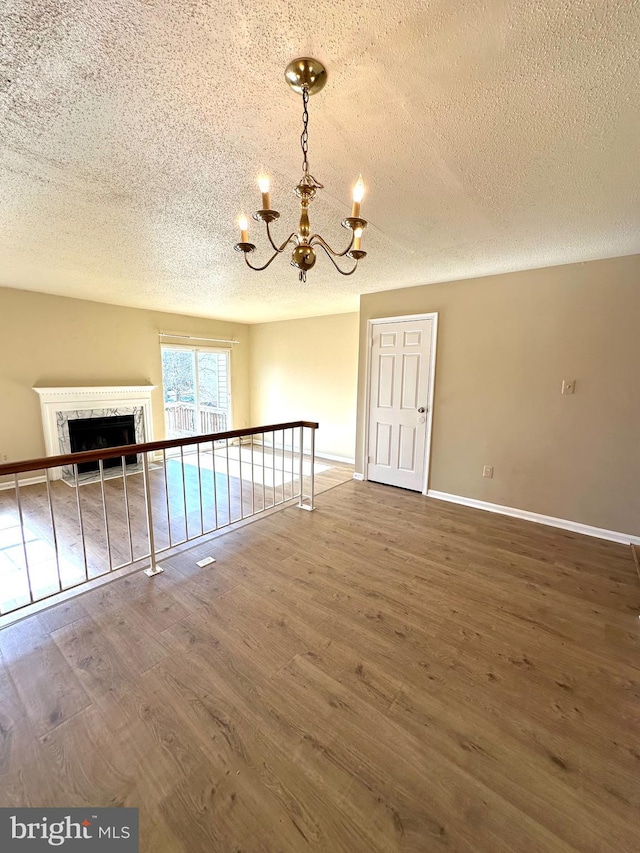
[304,138]
[307,178]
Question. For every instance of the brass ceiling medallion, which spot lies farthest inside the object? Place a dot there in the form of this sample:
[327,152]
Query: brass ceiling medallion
[305,76]
[306,72]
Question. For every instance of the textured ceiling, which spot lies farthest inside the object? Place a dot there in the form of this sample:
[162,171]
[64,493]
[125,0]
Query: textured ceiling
[492,136]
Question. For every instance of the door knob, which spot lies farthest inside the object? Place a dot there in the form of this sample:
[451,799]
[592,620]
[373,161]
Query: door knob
[422,410]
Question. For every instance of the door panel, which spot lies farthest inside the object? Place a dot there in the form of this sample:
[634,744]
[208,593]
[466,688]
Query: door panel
[385,381]
[399,386]
[410,380]
[383,445]
[413,338]
[407,448]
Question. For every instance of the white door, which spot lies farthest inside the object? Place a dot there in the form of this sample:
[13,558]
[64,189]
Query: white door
[399,396]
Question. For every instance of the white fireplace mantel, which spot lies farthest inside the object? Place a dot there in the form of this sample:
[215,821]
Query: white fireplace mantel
[58,404]
[109,393]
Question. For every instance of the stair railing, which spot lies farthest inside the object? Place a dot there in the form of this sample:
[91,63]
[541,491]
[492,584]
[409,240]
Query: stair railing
[58,535]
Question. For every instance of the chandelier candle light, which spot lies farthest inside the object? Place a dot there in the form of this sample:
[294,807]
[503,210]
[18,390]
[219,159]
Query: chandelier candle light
[305,76]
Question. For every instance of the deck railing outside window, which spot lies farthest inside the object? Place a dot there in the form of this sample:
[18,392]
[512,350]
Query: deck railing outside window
[59,536]
[183,420]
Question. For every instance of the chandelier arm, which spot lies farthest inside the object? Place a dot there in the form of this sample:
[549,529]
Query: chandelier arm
[284,245]
[330,256]
[317,240]
[259,269]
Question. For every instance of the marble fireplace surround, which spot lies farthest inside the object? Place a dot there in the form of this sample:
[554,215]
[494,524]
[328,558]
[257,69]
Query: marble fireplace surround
[60,405]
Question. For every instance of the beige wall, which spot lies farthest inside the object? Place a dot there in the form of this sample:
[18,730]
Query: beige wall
[52,340]
[307,369]
[505,343]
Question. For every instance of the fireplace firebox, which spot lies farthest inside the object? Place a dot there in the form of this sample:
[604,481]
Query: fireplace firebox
[98,433]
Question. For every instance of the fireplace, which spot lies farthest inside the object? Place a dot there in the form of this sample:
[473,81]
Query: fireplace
[63,406]
[101,432]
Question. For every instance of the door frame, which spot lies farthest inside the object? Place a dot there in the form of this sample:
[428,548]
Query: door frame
[406,318]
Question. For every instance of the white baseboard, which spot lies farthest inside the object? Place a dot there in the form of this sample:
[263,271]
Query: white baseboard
[334,458]
[357,476]
[27,481]
[319,455]
[551,521]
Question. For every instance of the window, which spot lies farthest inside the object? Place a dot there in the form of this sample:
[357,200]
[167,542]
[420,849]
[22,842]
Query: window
[197,394]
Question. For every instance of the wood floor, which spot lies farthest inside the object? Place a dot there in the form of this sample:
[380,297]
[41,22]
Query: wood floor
[388,673]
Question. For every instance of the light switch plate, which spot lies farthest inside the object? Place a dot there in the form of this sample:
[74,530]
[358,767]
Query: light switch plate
[568,386]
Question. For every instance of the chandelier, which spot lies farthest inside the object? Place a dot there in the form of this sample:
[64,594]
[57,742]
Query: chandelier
[305,76]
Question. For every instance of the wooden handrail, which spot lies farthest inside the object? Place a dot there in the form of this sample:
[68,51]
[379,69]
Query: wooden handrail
[128,449]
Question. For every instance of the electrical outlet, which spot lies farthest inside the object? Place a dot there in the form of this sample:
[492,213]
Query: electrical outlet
[4,457]
[487,472]
[568,386]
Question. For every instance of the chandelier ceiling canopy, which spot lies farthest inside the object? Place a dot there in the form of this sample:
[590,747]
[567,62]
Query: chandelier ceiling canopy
[305,76]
